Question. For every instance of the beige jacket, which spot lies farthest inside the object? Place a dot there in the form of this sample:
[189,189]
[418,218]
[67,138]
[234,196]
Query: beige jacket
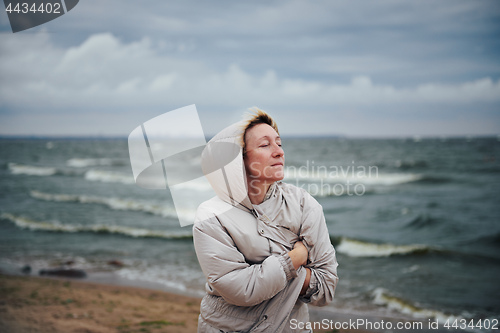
[242,248]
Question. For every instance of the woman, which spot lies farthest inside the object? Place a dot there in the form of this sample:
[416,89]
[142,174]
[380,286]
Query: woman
[263,245]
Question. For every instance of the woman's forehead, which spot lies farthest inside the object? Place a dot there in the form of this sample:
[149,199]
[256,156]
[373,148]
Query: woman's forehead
[262,131]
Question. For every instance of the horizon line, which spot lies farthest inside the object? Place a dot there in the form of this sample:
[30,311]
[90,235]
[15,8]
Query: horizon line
[291,136]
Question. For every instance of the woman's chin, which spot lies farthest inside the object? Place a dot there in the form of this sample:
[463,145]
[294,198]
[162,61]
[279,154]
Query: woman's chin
[278,176]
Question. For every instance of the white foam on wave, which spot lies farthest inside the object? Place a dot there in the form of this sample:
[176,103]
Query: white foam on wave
[141,275]
[56,226]
[365,177]
[21,169]
[392,179]
[196,186]
[109,177]
[356,248]
[383,297]
[175,277]
[88,162]
[113,203]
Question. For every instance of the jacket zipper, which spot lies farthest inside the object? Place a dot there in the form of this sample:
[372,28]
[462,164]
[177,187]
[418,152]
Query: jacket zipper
[263,319]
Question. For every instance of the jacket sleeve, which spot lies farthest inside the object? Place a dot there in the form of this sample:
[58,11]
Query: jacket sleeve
[322,260]
[226,270]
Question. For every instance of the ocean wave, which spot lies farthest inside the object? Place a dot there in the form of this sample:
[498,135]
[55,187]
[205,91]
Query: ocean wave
[383,297]
[492,238]
[31,170]
[142,275]
[159,209]
[392,179]
[427,179]
[95,175]
[365,178]
[41,171]
[357,248]
[104,176]
[55,226]
[109,177]
[421,221]
[410,164]
[198,186]
[180,278]
[90,162]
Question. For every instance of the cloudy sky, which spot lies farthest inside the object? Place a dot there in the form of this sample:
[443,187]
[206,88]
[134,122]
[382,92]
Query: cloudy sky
[355,68]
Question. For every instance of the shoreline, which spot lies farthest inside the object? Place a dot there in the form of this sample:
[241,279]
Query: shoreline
[54,304]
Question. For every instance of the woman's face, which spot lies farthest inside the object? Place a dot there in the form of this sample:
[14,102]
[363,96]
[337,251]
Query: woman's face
[264,158]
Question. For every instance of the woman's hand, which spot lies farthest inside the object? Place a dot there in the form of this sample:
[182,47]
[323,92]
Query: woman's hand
[305,286]
[298,255]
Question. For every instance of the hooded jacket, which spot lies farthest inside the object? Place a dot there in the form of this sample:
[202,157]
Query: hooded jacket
[252,285]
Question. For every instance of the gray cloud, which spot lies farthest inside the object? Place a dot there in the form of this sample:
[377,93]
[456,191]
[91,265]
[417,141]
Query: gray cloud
[385,64]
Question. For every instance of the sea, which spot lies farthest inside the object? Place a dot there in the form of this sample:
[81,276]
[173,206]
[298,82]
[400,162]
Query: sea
[415,221]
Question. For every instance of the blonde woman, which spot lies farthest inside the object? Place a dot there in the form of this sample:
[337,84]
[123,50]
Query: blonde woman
[262,244]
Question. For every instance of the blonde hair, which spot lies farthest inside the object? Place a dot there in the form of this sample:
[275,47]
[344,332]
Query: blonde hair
[256,117]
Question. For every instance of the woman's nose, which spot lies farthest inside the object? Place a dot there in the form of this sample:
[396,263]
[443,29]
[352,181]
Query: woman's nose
[278,150]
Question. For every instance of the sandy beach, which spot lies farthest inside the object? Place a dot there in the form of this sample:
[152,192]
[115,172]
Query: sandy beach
[33,304]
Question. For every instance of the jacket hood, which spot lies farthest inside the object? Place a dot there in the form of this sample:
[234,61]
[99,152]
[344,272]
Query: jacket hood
[223,166]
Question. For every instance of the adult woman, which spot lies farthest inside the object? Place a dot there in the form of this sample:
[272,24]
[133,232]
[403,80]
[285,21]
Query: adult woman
[262,244]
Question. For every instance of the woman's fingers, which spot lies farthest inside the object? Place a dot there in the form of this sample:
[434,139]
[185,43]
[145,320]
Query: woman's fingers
[302,252]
